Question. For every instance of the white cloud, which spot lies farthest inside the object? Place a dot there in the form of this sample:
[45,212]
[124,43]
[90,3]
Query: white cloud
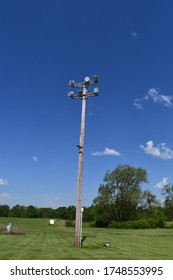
[5,197]
[133,34]
[3,182]
[107,152]
[154,95]
[53,203]
[160,98]
[137,103]
[161,150]
[161,202]
[34,158]
[161,184]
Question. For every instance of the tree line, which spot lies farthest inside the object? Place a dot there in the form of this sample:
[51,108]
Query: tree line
[120,199]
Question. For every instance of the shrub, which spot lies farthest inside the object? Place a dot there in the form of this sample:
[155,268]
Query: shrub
[115,224]
[70,223]
[161,223]
[139,224]
[92,224]
[101,224]
[169,225]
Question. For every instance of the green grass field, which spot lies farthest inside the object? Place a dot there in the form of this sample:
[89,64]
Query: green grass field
[55,242]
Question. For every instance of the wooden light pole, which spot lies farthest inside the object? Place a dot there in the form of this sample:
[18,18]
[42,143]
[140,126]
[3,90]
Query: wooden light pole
[83,95]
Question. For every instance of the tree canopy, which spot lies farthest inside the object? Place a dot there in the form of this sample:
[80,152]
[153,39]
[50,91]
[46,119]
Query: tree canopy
[120,195]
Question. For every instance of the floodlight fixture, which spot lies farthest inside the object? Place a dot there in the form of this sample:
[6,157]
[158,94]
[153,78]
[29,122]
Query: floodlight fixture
[70,94]
[96,90]
[95,78]
[87,79]
[71,83]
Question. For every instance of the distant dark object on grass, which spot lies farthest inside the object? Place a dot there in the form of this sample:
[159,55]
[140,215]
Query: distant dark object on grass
[106,244]
[82,240]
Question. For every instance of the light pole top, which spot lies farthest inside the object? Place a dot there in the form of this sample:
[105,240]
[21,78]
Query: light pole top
[86,83]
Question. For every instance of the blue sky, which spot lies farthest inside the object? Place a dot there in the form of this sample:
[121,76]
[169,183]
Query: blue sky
[43,45]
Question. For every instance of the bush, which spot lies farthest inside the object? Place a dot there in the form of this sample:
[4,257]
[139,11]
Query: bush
[92,224]
[70,223]
[161,222]
[139,224]
[115,224]
[169,225]
[101,224]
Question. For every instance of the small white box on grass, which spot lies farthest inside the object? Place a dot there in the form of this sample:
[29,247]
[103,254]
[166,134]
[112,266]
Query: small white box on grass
[51,222]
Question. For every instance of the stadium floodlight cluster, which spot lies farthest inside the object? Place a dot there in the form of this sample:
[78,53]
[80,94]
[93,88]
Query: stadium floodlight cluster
[85,84]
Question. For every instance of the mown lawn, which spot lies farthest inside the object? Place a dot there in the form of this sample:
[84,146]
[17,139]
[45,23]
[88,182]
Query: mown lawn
[55,242]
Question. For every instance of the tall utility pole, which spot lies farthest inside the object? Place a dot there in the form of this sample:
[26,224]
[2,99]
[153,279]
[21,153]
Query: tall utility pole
[83,95]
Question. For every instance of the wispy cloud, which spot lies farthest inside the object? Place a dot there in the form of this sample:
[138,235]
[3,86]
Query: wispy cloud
[160,98]
[133,35]
[154,95]
[161,184]
[3,182]
[160,151]
[34,158]
[107,152]
[53,203]
[137,103]
[5,197]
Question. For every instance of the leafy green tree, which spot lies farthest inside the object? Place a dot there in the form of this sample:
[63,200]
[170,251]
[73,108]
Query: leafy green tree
[104,206]
[4,210]
[46,212]
[18,211]
[120,195]
[71,212]
[149,205]
[61,213]
[168,204]
[31,212]
[149,200]
[88,214]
